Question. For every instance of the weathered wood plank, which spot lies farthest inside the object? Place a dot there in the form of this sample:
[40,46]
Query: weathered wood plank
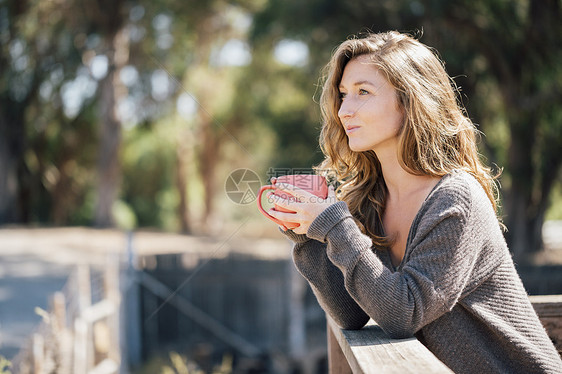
[547,305]
[370,350]
[549,310]
[337,363]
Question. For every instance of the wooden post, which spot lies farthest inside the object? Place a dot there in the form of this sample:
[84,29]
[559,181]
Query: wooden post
[149,323]
[112,293]
[337,363]
[130,311]
[297,325]
[80,346]
[84,287]
[62,333]
[58,304]
[83,344]
[38,353]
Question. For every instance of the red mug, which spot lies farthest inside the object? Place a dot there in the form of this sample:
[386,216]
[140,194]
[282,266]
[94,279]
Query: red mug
[314,184]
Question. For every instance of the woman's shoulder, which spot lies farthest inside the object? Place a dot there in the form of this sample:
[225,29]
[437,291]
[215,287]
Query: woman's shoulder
[459,185]
[453,187]
[458,192]
[460,200]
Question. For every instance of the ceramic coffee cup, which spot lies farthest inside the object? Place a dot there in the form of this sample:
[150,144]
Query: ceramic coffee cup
[314,184]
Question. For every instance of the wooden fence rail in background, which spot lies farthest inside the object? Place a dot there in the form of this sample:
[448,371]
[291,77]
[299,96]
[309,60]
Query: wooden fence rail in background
[549,310]
[80,332]
[370,350]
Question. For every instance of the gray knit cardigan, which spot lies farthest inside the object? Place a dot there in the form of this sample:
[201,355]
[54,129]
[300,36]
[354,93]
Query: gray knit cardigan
[456,289]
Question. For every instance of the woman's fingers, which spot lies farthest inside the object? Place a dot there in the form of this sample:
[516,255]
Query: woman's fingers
[284,202]
[297,192]
[302,205]
[283,216]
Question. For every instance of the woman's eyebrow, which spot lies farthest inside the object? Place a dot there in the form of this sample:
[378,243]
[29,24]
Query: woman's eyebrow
[359,83]
[364,82]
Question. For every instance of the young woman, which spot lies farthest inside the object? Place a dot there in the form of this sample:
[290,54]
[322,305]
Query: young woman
[412,239]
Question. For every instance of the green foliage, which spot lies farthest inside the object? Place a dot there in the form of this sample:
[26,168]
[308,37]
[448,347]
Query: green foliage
[258,113]
[148,161]
[554,212]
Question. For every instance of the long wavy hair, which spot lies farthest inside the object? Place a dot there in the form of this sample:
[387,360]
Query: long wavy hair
[435,138]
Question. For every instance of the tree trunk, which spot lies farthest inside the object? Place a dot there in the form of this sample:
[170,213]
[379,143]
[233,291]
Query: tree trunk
[14,178]
[108,162]
[521,216]
[209,158]
[109,168]
[11,162]
[61,194]
[183,156]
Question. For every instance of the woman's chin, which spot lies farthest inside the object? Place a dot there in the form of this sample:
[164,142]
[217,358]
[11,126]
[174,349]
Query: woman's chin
[357,147]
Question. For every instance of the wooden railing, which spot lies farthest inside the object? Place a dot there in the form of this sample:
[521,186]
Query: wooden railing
[370,350]
[549,310]
[79,334]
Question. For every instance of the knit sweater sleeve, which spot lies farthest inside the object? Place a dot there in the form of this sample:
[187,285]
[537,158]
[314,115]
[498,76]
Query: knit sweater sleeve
[326,281]
[437,269]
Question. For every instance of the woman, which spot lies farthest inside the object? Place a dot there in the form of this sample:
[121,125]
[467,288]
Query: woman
[414,241]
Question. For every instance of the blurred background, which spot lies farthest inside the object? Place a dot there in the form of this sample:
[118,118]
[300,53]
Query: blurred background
[142,129]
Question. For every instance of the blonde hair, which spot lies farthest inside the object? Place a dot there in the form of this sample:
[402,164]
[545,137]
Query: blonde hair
[435,139]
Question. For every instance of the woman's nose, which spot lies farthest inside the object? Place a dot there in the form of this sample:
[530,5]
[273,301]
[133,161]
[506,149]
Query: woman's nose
[346,109]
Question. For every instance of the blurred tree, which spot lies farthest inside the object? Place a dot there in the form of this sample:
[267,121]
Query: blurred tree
[521,44]
[38,65]
[199,50]
[185,68]
[108,18]
[55,45]
[210,79]
[508,48]
[71,66]
[19,84]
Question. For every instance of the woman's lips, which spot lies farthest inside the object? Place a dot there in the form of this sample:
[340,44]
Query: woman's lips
[351,129]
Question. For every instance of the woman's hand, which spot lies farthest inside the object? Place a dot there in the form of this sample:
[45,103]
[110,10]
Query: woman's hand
[306,206]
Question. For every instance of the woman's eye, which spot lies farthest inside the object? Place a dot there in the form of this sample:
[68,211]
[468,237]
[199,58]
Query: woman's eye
[363,92]
[342,95]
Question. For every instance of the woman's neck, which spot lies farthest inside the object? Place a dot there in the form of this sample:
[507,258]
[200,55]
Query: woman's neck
[399,182]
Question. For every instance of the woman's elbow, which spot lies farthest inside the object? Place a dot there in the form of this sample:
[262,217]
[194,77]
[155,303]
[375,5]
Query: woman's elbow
[352,323]
[395,331]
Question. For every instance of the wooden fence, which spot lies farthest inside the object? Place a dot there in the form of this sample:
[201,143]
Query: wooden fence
[79,334]
[370,350]
[258,310]
[549,310]
[254,305]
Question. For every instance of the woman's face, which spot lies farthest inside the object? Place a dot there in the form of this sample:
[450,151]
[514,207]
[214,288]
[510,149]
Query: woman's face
[369,111]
